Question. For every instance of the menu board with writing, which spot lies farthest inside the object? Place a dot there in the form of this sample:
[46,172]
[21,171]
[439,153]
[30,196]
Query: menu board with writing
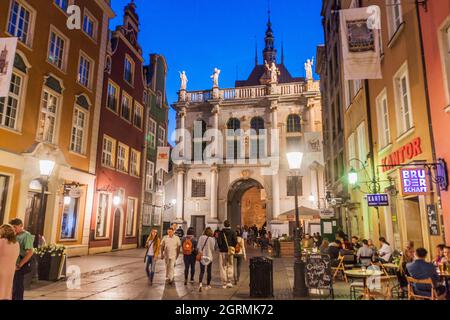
[318,272]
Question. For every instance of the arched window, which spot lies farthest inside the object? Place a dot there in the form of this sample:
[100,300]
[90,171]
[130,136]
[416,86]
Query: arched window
[233,139]
[294,123]
[199,143]
[257,139]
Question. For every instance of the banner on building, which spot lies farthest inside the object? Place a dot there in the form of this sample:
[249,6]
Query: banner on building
[7,54]
[162,159]
[313,149]
[360,43]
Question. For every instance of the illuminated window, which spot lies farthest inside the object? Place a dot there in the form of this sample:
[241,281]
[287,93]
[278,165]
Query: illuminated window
[109,150]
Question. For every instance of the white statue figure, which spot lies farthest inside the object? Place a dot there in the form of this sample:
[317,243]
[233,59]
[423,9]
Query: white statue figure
[308,68]
[184,80]
[215,77]
[274,73]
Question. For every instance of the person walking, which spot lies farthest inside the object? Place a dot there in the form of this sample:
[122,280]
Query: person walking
[23,265]
[153,245]
[239,256]
[9,251]
[205,250]
[189,245]
[226,242]
[170,250]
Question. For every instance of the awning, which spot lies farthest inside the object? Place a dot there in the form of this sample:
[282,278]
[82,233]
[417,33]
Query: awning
[304,212]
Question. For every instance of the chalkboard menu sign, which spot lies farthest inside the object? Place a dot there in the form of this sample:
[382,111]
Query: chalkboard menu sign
[318,272]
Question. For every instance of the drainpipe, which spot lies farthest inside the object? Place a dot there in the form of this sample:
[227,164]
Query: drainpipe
[428,104]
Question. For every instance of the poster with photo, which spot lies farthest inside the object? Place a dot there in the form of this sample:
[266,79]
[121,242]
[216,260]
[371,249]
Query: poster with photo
[7,53]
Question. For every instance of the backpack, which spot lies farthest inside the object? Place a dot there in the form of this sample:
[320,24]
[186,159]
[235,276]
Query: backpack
[187,247]
[237,248]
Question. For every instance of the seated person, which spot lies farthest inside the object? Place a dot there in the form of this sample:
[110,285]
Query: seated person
[439,254]
[333,251]
[422,270]
[348,254]
[355,244]
[365,254]
[385,252]
[307,242]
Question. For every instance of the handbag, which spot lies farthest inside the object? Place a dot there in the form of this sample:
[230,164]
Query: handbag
[231,250]
[199,255]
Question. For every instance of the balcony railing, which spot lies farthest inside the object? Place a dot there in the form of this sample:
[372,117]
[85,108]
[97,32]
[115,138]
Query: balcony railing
[248,92]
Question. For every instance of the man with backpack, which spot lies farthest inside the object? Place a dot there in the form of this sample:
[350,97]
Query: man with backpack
[226,241]
[189,245]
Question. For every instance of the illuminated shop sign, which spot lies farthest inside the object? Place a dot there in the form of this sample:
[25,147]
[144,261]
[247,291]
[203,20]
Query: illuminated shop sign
[414,181]
[402,155]
[378,200]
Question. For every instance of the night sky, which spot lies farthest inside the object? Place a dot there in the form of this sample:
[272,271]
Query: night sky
[198,35]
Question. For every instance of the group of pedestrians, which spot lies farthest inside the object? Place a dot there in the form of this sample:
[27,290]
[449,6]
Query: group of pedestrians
[229,243]
[16,251]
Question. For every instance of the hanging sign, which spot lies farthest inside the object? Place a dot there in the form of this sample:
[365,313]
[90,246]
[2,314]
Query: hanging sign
[414,181]
[360,44]
[326,214]
[432,218]
[162,159]
[7,54]
[378,200]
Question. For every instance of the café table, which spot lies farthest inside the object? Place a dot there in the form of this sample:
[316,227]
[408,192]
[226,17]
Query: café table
[364,275]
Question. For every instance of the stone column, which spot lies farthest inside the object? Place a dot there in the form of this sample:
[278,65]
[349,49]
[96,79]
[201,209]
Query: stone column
[214,195]
[215,112]
[182,115]
[180,196]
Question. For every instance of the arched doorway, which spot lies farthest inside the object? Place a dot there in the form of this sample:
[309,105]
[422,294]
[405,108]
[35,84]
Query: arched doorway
[247,204]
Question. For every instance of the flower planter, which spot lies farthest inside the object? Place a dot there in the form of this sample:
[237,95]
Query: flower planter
[49,266]
[287,249]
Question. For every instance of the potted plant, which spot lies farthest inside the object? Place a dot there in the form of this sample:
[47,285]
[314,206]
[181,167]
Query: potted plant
[50,261]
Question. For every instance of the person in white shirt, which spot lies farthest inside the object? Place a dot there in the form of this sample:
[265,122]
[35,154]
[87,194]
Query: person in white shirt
[205,247]
[239,256]
[170,250]
[385,251]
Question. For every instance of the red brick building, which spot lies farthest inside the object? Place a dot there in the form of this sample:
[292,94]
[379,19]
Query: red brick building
[435,19]
[117,200]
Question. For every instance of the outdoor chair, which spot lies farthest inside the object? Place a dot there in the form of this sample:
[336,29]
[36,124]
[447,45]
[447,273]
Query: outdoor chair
[340,269]
[412,295]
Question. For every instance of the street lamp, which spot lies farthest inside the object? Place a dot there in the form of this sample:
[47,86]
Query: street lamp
[300,290]
[45,169]
[352,177]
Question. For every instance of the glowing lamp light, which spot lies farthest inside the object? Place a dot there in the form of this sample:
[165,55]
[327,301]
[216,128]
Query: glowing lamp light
[352,177]
[295,160]
[174,201]
[67,200]
[46,167]
[312,198]
[117,200]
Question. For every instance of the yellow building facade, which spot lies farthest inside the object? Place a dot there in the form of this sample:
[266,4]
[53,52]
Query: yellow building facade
[52,113]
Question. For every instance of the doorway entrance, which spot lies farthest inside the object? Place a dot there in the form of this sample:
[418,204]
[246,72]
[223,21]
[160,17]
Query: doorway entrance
[116,234]
[34,223]
[198,223]
[413,222]
[247,204]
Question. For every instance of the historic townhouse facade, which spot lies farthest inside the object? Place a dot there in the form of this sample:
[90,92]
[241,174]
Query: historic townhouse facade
[436,40]
[121,147]
[247,180]
[329,64]
[51,113]
[154,198]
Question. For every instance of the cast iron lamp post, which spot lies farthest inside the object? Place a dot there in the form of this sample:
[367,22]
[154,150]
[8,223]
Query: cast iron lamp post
[45,169]
[300,290]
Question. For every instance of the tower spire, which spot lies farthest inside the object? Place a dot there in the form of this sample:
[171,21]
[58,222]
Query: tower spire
[269,52]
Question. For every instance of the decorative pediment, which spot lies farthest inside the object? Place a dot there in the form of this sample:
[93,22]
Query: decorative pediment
[83,101]
[54,84]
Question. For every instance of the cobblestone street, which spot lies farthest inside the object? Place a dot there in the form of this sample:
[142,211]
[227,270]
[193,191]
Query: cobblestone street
[121,276]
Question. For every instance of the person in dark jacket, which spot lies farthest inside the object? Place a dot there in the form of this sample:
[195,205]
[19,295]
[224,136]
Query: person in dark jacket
[333,251]
[422,270]
[189,254]
[226,242]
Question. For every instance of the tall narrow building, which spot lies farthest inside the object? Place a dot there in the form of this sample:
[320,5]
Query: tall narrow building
[51,117]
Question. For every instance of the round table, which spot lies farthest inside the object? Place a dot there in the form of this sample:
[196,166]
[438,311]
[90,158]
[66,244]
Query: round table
[364,275]
[391,266]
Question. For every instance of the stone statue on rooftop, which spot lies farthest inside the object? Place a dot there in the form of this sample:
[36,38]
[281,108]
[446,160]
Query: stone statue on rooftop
[184,80]
[215,77]
[308,68]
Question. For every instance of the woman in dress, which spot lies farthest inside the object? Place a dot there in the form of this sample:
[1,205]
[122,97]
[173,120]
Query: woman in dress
[9,252]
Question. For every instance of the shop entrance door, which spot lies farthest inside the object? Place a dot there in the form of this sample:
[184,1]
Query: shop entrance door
[413,222]
[116,236]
